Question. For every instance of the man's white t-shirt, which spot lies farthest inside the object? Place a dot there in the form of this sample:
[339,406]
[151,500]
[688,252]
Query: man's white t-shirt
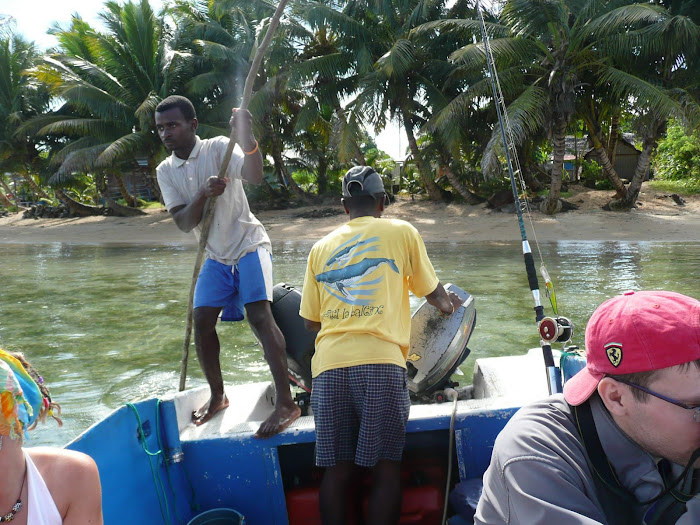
[234,231]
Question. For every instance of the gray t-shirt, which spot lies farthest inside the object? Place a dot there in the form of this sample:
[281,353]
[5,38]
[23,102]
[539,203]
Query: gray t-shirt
[234,231]
[539,473]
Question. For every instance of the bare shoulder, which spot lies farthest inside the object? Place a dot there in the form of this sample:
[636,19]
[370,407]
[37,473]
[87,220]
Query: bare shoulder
[59,461]
[79,501]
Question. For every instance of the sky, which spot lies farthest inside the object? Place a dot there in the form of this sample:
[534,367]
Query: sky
[32,18]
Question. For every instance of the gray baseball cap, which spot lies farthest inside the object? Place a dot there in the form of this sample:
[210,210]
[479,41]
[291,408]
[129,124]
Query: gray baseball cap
[362,180]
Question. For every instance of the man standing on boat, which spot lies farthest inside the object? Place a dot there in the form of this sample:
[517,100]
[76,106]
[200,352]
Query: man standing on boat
[622,444]
[237,273]
[355,296]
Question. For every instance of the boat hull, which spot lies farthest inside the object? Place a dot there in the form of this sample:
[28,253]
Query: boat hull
[221,464]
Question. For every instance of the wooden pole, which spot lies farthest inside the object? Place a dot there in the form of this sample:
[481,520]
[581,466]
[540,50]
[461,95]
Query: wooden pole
[211,202]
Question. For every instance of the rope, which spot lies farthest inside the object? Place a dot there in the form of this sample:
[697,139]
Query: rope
[160,490]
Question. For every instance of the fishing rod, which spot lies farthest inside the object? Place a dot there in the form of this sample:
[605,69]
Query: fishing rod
[551,329]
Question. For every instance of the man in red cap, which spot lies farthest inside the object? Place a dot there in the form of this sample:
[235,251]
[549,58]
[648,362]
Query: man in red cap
[622,444]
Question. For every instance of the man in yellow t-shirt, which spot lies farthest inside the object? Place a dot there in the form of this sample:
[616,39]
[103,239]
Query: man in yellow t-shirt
[355,296]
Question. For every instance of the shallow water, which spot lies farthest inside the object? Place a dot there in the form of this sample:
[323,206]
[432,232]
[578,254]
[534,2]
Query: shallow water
[104,324]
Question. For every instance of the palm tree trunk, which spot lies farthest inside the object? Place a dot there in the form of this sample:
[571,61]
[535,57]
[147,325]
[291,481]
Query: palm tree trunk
[128,197]
[604,160]
[430,186]
[640,172]
[552,205]
[119,210]
[152,180]
[8,191]
[322,175]
[468,196]
[77,208]
[34,186]
[359,157]
[614,137]
[635,186]
[282,167]
[5,201]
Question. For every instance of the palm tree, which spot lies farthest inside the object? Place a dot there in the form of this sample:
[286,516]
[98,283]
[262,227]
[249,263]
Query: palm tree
[653,86]
[21,98]
[110,84]
[394,76]
[548,53]
[221,37]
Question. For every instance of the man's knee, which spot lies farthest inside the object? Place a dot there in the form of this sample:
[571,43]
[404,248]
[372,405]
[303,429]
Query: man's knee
[340,473]
[259,315]
[387,470]
[205,318]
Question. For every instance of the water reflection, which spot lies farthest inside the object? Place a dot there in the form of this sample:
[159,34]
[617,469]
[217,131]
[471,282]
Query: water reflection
[105,324]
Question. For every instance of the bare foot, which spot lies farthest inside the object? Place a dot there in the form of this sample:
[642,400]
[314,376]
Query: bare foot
[209,410]
[280,419]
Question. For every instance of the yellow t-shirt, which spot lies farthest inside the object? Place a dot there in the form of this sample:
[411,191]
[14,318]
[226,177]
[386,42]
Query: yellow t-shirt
[356,285]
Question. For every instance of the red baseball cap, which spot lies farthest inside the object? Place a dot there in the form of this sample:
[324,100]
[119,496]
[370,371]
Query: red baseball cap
[637,332]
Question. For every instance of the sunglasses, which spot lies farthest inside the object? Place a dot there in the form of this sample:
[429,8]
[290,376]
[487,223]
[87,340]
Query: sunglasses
[694,408]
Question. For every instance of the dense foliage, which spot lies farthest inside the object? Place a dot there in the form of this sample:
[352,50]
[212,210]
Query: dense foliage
[77,122]
[678,157]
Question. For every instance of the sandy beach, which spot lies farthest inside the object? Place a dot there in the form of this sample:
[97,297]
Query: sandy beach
[657,218]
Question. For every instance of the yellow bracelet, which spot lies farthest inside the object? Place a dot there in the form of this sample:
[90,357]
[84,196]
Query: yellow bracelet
[252,151]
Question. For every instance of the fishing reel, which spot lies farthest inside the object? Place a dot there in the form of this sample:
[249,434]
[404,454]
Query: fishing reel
[556,329]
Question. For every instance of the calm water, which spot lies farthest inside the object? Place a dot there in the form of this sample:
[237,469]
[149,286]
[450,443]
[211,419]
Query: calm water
[104,324]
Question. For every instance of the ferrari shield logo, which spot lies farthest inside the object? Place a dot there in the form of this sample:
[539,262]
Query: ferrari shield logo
[614,353]
[413,357]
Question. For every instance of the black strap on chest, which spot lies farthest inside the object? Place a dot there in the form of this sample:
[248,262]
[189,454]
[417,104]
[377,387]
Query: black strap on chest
[618,503]
[615,499]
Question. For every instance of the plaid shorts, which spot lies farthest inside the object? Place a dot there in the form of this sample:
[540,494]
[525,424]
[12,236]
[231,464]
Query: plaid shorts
[360,414]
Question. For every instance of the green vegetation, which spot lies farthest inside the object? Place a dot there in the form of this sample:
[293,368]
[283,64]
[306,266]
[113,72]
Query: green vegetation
[678,155]
[76,124]
[682,187]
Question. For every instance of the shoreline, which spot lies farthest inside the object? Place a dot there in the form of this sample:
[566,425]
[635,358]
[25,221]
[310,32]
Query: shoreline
[657,218]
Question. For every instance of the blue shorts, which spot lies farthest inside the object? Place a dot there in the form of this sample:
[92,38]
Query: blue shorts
[219,285]
[360,414]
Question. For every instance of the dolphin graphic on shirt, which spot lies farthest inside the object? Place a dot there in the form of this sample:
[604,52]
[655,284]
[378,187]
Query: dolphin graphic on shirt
[346,277]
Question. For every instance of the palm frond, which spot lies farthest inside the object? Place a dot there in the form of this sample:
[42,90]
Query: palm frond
[319,15]
[504,50]
[460,28]
[123,148]
[529,18]
[346,135]
[647,96]
[78,161]
[399,60]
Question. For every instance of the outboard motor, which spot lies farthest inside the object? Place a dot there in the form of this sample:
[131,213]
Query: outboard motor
[300,342]
[438,344]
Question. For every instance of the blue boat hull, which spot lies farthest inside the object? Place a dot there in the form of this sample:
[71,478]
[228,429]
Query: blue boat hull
[221,464]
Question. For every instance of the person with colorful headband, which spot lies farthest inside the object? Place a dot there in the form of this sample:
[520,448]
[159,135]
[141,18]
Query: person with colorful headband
[621,445]
[33,488]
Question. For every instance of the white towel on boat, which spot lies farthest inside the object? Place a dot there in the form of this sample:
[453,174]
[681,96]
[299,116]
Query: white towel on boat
[41,509]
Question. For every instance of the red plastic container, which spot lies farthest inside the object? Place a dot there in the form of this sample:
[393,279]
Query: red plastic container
[423,480]
[422,505]
[302,507]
